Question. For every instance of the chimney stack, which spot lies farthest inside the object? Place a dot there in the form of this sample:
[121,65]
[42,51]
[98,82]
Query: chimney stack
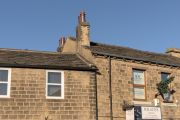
[82,30]
[62,41]
[173,52]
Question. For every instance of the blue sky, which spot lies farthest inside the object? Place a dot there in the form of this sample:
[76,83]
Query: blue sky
[150,25]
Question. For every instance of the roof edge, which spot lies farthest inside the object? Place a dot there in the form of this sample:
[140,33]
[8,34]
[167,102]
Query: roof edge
[130,58]
[48,67]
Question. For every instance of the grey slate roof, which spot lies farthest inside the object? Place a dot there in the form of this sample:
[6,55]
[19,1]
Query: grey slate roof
[36,59]
[133,54]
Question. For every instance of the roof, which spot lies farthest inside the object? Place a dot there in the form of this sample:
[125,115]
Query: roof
[133,54]
[41,59]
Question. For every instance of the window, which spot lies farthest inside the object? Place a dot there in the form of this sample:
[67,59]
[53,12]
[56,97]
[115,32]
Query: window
[166,96]
[139,85]
[164,76]
[5,76]
[54,84]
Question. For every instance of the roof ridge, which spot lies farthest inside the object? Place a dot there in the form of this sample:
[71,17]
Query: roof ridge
[27,50]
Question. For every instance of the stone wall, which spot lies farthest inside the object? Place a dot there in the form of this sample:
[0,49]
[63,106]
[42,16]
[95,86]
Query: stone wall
[28,101]
[122,87]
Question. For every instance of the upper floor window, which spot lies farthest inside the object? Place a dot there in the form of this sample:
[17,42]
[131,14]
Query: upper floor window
[139,85]
[5,81]
[54,84]
[164,76]
[166,96]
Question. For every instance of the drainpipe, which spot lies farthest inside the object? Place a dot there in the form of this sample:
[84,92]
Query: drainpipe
[96,94]
[110,89]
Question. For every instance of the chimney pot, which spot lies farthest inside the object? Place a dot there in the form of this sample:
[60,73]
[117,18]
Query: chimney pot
[62,41]
[82,17]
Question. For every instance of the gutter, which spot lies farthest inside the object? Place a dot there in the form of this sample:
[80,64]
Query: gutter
[49,67]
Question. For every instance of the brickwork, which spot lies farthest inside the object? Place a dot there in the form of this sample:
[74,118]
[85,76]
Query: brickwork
[102,89]
[122,87]
[28,101]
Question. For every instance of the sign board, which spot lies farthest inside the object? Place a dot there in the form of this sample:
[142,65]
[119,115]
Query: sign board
[137,113]
[152,113]
[147,113]
[130,114]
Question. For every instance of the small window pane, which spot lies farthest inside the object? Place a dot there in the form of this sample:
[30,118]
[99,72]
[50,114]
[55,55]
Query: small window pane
[166,96]
[3,88]
[3,75]
[138,77]
[54,77]
[54,90]
[139,93]
[164,76]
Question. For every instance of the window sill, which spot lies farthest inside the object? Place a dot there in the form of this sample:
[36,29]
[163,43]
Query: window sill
[167,101]
[169,104]
[136,103]
[56,98]
[5,97]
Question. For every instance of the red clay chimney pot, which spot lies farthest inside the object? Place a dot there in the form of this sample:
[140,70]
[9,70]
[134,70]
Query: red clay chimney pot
[62,41]
[82,17]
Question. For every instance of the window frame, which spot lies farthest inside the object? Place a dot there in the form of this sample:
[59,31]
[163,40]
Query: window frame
[8,83]
[170,95]
[62,84]
[139,85]
[164,73]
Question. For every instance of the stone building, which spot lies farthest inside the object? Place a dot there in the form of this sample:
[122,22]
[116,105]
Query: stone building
[86,80]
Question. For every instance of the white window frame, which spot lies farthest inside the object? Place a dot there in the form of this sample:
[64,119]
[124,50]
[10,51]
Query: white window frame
[141,86]
[8,83]
[62,84]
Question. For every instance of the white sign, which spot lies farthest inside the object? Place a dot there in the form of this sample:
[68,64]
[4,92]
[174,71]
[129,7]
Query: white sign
[151,113]
[130,114]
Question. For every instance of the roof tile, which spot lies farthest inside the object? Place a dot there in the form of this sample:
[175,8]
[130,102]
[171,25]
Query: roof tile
[34,59]
[133,54]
